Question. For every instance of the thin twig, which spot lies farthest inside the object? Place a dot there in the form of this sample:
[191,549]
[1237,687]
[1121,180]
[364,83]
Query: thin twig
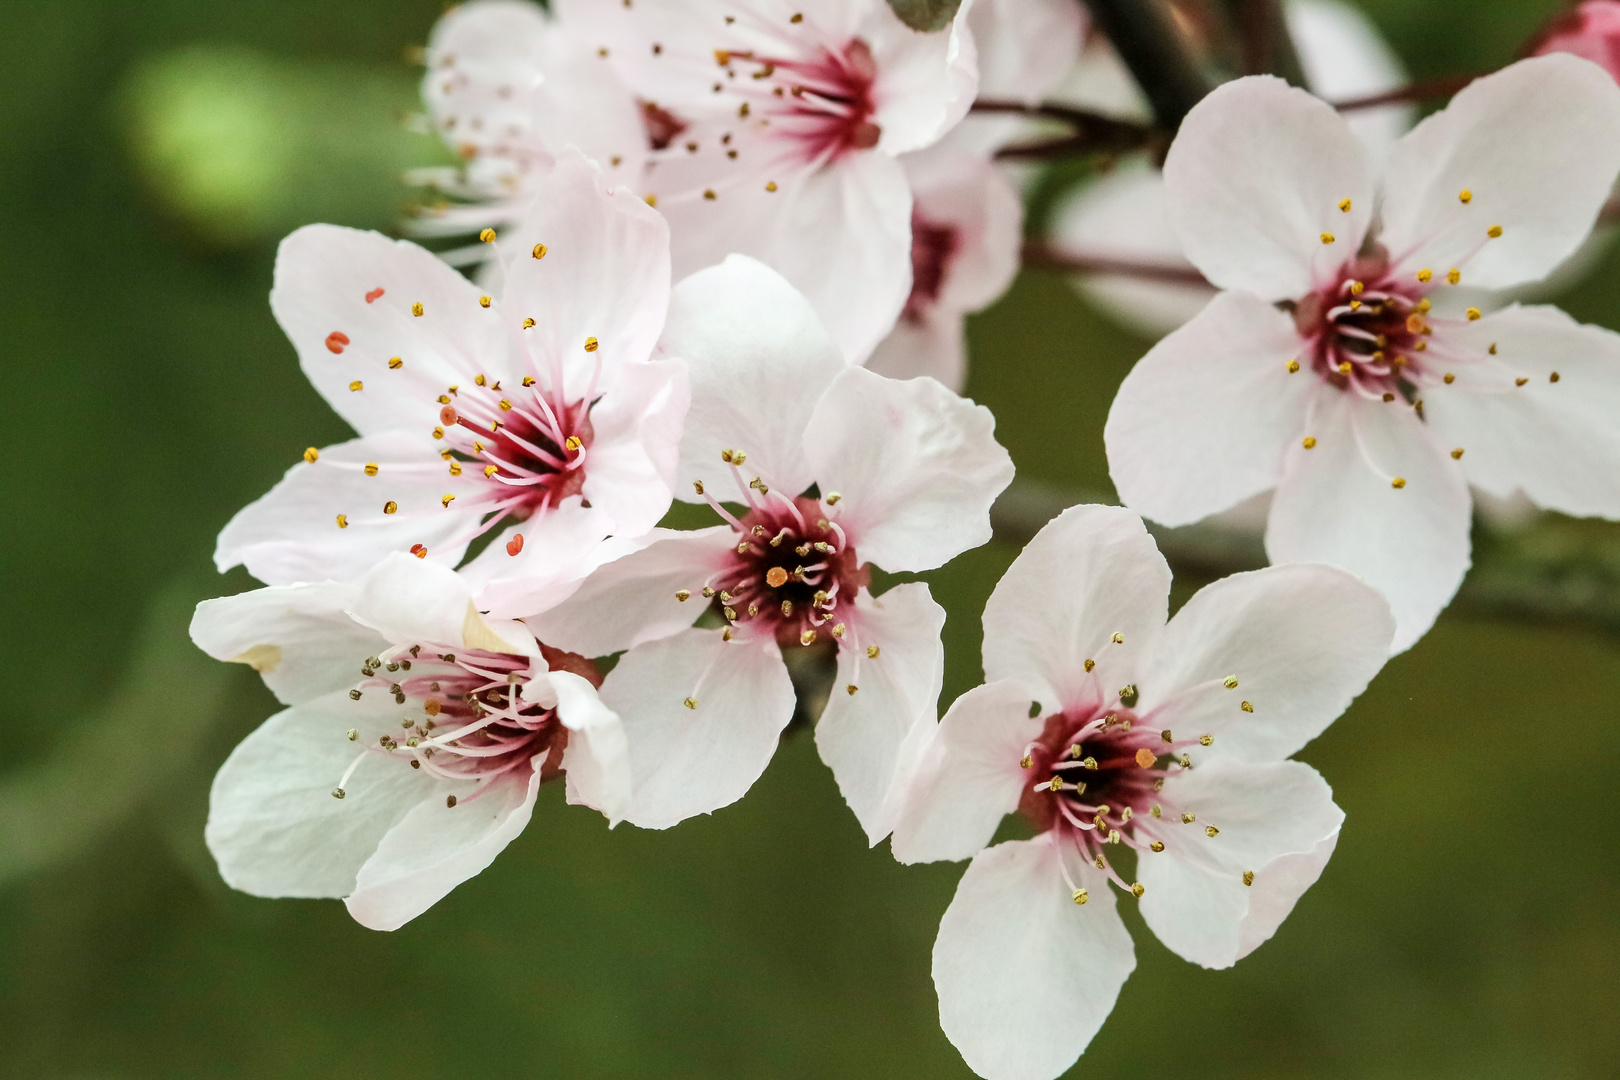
[1040,255]
[1091,132]
[1444,86]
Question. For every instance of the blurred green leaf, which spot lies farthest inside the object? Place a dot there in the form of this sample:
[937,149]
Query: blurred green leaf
[926,14]
[144,736]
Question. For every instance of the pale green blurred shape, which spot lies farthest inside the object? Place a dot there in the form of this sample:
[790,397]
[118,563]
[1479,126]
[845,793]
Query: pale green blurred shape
[243,147]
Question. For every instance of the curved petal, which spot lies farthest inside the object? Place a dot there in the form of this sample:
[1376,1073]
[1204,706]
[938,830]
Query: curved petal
[345,299]
[1555,441]
[1025,47]
[1256,177]
[1025,976]
[299,638]
[967,777]
[1275,820]
[1203,421]
[932,346]
[436,847]
[330,518]
[1536,145]
[758,360]
[412,600]
[925,82]
[633,599]
[689,761]
[1337,504]
[967,206]
[635,444]
[597,758]
[273,825]
[1345,58]
[877,700]
[1092,572]
[1301,641]
[559,549]
[604,274]
[917,468]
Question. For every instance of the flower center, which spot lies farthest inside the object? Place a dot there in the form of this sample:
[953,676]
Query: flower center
[822,101]
[933,246]
[1367,331]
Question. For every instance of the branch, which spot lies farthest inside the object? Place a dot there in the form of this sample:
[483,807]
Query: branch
[1091,132]
[1039,255]
[1155,55]
[1444,86]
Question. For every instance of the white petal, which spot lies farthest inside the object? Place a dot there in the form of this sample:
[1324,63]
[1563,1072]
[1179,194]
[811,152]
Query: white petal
[299,638]
[1536,144]
[292,532]
[1025,47]
[859,734]
[436,847]
[412,600]
[633,598]
[925,82]
[1025,976]
[1556,442]
[635,443]
[1205,418]
[1337,504]
[972,201]
[324,275]
[597,758]
[1276,818]
[605,274]
[967,777]
[757,359]
[1092,572]
[1344,58]
[273,825]
[932,346]
[560,548]
[693,761]
[917,466]
[1125,216]
[1302,642]
[1256,176]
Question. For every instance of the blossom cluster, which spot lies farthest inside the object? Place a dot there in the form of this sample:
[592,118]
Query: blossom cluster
[721,253]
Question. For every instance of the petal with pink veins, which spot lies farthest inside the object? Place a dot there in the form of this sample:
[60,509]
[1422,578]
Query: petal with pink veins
[1026,976]
[1535,146]
[1092,573]
[1338,503]
[1553,438]
[1256,178]
[876,701]
[1296,642]
[635,443]
[916,468]
[694,760]
[1204,420]
[967,776]
[1276,818]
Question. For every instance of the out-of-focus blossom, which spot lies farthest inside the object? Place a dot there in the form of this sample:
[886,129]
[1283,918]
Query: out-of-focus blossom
[780,128]
[416,737]
[835,470]
[1332,367]
[1591,31]
[508,89]
[1169,740]
[1122,217]
[541,413]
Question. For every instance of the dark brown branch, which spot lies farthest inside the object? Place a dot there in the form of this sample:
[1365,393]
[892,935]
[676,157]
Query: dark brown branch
[1091,132]
[1036,254]
[1422,91]
[1154,53]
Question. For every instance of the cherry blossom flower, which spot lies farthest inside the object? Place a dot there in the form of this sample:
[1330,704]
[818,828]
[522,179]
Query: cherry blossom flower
[1590,31]
[508,88]
[416,737]
[1146,754]
[835,470]
[780,128]
[1123,217]
[1336,368]
[540,413]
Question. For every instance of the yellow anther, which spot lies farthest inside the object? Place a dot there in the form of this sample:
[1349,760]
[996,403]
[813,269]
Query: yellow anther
[1056,783]
[1425,274]
[395,363]
[1327,238]
[1100,863]
[1454,275]
[1293,367]
[573,443]
[1117,638]
[742,110]
[871,652]
[1345,367]
[1026,762]
[447,500]
[1081,896]
[1206,740]
[371,468]
[1344,205]
[1089,665]
[1398,483]
[1248,877]
[690,703]
[770,185]
[343,521]
[1355,305]
[833,498]
[808,637]
[1309,442]
[484,301]
[1520,381]
[1494,231]
[683,595]
[539,251]
[390,506]
[1188,819]
[1449,378]
[417,309]
[455,468]
[1156,811]
[1424,305]
[1247,706]
[839,630]
[1356,287]
[491,470]
[357,386]
[697,486]
[1157,845]
[1138,889]
[487,236]
[353,734]
[311,454]
[480,380]
[650,199]
[528,324]
[1456,455]
[850,689]
[1230,682]
[505,405]
[1211,831]
[591,344]
[1473,314]
[1465,196]
[528,380]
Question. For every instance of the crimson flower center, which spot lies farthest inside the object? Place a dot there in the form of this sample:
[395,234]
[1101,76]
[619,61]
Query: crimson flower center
[933,247]
[1367,331]
[824,102]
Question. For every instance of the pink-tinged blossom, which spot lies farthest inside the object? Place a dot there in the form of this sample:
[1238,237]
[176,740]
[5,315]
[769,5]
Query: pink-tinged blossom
[781,125]
[1591,31]
[1123,217]
[1148,755]
[509,89]
[830,470]
[415,738]
[541,413]
[1338,366]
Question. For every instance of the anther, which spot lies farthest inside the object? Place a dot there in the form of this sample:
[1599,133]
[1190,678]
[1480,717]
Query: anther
[1454,275]
[1344,205]
[1327,238]
[683,595]
[390,506]
[787,608]
[1157,811]
[770,185]
[1425,274]
[528,324]
[1309,443]
[1089,665]
[1247,706]
[832,498]
[1449,378]
[871,652]
[447,500]
[356,386]
[1166,736]
[311,454]
[1293,367]
[1398,483]
[1248,877]
[591,344]
[1081,896]
[1117,638]
[450,802]
[395,363]
[338,793]
[1520,381]
[1145,758]
[807,638]
[1553,377]
[514,545]
[1211,831]
[1137,890]
[1473,314]
[1494,231]
[487,236]
[1206,740]
[1026,762]
[1055,784]
[1188,819]
[371,468]
[1465,196]
[1230,682]
[690,703]
[417,309]
[1128,695]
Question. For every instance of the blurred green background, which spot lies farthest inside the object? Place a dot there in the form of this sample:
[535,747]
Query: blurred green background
[150,156]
